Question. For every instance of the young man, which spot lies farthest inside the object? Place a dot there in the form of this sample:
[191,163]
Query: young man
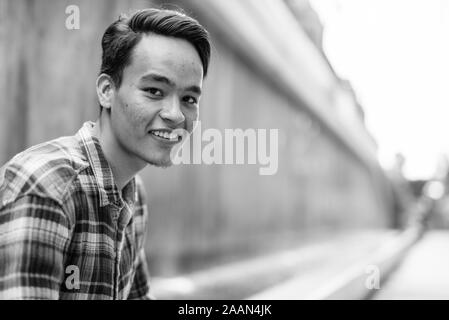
[72,210]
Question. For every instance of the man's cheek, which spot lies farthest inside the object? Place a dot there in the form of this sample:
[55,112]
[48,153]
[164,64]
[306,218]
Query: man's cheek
[191,126]
[139,114]
[192,121]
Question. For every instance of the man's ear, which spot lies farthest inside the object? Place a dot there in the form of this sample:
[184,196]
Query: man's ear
[105,90]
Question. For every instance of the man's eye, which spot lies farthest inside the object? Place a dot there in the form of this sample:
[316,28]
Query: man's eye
[154,91]
[190,100]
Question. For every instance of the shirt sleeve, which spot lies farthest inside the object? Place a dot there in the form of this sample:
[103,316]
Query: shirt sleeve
[140,288]
[34,235]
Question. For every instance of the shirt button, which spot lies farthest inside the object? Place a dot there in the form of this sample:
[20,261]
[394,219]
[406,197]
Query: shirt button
[115,215]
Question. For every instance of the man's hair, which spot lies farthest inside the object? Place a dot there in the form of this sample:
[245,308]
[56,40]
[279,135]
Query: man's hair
[123,35]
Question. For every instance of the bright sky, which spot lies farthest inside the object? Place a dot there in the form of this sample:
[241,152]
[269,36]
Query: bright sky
[396,55]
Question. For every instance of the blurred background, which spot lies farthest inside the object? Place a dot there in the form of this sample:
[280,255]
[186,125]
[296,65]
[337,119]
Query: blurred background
[357,91]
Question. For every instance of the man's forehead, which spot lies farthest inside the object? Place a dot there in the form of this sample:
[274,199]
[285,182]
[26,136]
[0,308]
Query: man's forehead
[167,55]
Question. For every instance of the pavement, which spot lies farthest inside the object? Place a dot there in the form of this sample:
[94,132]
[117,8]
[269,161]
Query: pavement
[343,278]
[334,268]
[424,272]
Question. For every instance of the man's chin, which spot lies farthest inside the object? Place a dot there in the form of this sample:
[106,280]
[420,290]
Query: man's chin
[161,163]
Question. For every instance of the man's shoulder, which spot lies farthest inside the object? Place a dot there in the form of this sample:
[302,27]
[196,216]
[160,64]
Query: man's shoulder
[46,170]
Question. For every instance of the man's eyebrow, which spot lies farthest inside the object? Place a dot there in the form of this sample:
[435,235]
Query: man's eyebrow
[194,89]
[157,78]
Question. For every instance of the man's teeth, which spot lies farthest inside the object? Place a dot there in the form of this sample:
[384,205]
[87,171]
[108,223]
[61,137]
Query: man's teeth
[166,135]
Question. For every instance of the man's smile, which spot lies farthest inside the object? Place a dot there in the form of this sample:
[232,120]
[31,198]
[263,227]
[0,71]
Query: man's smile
[167,135]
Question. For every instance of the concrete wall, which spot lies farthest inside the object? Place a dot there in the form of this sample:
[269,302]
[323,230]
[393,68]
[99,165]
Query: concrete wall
[199,213]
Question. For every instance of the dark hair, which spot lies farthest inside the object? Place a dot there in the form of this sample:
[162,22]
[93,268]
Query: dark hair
[123,35]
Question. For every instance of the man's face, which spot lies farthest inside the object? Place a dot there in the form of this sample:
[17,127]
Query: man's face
[159,93]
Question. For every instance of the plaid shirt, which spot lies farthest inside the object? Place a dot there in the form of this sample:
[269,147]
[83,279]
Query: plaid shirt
[66,232]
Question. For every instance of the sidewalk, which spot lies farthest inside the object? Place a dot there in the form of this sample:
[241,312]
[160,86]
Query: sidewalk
[314,271]
[424,273]
[345,279]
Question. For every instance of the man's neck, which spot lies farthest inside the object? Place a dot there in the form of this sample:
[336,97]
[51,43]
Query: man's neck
[124,167]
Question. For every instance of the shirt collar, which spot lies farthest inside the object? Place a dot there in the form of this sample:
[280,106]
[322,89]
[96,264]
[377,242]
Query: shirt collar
[109,193]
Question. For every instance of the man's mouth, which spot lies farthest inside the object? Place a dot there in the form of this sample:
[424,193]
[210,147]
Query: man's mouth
[167,134]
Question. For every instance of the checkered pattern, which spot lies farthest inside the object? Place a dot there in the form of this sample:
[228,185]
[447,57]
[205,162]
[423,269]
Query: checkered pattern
[66,232]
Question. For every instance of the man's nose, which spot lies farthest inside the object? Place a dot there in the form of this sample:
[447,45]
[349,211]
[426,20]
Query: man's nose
[172,112]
